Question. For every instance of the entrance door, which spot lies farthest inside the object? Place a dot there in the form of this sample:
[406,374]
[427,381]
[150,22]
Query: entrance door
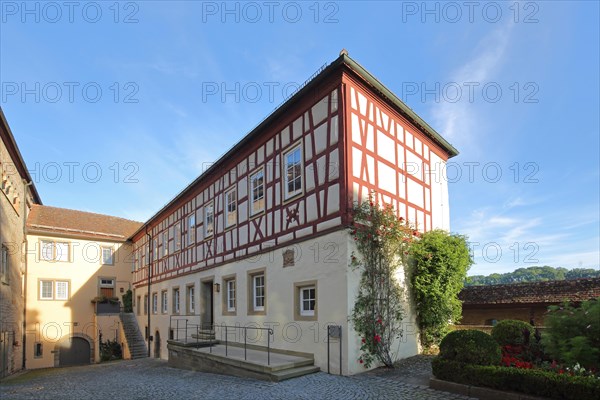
[157,344]
[74,351]
[206,303]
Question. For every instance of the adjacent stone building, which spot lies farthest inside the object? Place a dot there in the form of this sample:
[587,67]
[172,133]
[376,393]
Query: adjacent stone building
[18,195]
[79,267]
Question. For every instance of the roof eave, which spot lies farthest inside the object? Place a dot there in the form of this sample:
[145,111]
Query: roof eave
[22,166]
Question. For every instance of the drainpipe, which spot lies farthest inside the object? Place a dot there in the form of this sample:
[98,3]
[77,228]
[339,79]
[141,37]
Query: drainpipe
[25,248]
[149,236]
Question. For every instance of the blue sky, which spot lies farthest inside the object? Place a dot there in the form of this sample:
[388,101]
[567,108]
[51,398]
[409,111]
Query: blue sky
[116,108]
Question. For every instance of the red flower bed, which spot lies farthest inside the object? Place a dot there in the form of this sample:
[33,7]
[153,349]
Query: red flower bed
[512,356]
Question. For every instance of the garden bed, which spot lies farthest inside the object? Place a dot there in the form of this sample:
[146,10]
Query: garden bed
[529,381]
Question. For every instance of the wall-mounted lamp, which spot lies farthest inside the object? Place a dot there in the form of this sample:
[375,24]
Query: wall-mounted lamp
[217,287]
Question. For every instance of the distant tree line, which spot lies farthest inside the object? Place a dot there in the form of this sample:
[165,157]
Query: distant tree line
[532,274]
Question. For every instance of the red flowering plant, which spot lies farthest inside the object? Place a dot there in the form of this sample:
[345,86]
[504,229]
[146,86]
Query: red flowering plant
[382,240]
[512,356]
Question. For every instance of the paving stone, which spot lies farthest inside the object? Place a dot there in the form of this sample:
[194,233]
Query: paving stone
[151,378]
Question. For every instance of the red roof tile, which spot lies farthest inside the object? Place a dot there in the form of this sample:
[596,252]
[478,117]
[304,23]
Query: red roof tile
[65,222]
[533,292]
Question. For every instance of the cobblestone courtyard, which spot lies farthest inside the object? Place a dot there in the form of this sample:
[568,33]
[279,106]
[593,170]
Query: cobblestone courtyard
[149,378]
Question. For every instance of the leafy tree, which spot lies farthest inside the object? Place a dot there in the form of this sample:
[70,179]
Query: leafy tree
[573,334]
[441,261]
[532,274]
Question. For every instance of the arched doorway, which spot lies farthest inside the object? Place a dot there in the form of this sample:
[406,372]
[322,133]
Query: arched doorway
[157,344]
[74,351]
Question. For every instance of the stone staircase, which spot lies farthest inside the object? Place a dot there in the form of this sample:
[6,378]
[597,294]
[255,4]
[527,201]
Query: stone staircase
[203,338]
[237,361]
[135,339]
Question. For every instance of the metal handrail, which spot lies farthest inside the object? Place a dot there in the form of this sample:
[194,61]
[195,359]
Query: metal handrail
[212,328]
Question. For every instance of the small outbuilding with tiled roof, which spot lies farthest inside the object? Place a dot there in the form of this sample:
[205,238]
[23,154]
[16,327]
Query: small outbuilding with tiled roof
[482,305]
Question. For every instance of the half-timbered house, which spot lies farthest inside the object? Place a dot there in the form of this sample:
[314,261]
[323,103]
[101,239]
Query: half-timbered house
[261,237]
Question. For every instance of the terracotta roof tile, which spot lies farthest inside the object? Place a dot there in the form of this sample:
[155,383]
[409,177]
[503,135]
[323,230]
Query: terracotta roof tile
[62,221]
[534,292]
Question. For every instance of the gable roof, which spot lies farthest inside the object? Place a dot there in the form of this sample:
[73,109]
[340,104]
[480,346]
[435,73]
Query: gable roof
[15,155]
[342,63]
[555,292]
[53,221]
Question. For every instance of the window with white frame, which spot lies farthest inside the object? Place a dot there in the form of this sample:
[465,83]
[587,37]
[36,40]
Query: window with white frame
[164,301]
[230,287]
[191,233]
[177,236]
[258,292]
[209,220]
[4,264]
[46,290]
[191,299]
[107,283]
[165,244]
[54,251]
[154,303]
[62,290]
[308,300]
[54,290]
[176,300]
[292,163]
[107,255]
[231,207]
[257,192]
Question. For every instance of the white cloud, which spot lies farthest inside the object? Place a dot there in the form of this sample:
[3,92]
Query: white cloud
[458,120]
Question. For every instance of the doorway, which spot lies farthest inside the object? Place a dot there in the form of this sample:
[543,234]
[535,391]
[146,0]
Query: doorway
[206,303]
[157,344]
[74,351]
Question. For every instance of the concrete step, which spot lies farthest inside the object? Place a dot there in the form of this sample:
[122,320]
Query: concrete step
[290,373]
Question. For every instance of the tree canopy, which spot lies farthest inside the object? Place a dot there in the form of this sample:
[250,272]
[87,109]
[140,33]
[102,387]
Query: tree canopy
[532,274]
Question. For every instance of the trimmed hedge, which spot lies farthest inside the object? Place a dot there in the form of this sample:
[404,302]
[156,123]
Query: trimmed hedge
[512,332]
[470,346]
[528,381]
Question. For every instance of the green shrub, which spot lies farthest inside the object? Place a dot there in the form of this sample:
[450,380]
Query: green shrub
[440,264]
[529,381]
[470,346]
[573,334]
[128,301]
[110,350]
[511,332]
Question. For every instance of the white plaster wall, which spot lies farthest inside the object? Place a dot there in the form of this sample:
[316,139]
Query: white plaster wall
[440,210]
[337,286]
[324,259]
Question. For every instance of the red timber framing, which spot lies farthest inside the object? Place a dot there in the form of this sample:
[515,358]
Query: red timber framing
[313,124]
[355,137]
[388,155]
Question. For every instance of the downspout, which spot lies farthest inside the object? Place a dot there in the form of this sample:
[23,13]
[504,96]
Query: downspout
[149,236]
[26,250]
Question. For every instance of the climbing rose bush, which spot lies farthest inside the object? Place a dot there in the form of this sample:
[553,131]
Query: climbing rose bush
[382,240]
